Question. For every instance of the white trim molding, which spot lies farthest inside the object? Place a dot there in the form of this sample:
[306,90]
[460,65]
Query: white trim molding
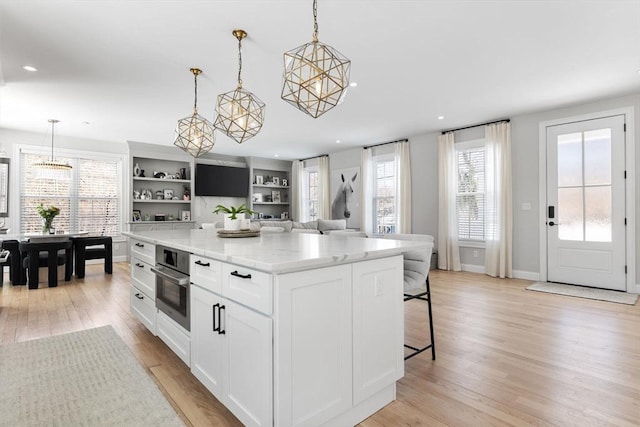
[526,275]
[472,268]
[630,190]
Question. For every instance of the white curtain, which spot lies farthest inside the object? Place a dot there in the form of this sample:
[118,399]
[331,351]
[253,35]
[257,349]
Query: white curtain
[324,198]
[366,202]
[499,208]
[403,191]
[296,190]
[448,250]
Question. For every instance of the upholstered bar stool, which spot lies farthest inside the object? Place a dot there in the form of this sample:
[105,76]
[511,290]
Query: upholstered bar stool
[46,254]
[416,283]
[86,248]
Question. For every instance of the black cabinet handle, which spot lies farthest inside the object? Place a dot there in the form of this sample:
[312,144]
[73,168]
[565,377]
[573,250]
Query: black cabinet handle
[222,331]
[551,211]
[215,328]
[140,245]
[242,276]
[139,265]
[139,297]
[202,263]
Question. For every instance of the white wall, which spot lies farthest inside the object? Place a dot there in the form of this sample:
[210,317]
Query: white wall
[526,246]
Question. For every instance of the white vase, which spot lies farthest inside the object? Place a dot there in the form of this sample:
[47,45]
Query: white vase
[231,224]
[136,170]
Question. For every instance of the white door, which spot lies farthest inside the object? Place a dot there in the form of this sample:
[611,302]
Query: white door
[586,203]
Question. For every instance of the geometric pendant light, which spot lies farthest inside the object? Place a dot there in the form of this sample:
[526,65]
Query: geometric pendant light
[52,169]
[239,113]
[316,76]
[194,134]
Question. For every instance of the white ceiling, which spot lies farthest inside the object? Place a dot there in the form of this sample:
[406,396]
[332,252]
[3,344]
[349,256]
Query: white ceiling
[123,66]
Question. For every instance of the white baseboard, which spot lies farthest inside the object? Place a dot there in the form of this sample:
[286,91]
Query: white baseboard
[526,275]
[517,274]
[472,268]
[120,258]
[637,288]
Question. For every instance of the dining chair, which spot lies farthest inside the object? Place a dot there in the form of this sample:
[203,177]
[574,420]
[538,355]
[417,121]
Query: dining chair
[86,248]
[46,254]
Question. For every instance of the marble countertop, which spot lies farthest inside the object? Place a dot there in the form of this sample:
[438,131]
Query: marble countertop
[278,252]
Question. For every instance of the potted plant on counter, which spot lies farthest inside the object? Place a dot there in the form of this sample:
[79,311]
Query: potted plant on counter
[232,220]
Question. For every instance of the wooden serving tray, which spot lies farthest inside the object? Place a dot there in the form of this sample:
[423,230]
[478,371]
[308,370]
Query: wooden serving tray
[238,233]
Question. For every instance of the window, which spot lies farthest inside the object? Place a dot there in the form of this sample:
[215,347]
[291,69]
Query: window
[470,198]
[384,195]
[89,201]
[310,194]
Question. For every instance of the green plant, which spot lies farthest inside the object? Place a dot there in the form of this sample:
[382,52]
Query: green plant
[233,211]
[48,213]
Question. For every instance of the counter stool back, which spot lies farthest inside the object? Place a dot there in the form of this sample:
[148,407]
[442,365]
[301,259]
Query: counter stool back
[416,283]
[86,248]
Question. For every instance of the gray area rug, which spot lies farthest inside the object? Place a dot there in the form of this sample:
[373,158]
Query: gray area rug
[585,292]
[87,378]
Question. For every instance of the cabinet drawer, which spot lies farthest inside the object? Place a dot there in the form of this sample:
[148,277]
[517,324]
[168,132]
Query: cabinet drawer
[142,277]
[248,287]
[143,250]
[143,308]
[206,273]
[175,337]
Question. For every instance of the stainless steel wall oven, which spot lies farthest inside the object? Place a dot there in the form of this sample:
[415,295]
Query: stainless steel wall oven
[172,284]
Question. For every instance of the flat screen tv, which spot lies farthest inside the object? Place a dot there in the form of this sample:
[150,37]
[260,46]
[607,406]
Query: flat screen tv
[215,180]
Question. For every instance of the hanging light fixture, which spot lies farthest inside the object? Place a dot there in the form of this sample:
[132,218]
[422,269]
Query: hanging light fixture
[316,76]
[194,134]
[239,113]
[52,169]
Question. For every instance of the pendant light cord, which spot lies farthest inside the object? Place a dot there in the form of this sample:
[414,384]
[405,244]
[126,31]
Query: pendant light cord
[239,63]
[52,126]
[315,21]
[195,94]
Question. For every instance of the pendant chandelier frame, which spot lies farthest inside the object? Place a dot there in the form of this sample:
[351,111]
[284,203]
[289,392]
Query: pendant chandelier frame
[239,113]
[194,134]
[52,169]
[316,76]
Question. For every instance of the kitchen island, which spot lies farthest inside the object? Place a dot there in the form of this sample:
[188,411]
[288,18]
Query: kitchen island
[286,329]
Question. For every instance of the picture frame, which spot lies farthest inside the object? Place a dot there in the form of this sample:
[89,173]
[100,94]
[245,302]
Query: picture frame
[285,183]
[259,180]
[185,215]
[168,193]
[276,180]
[275,196]
[256,197]
[137,217]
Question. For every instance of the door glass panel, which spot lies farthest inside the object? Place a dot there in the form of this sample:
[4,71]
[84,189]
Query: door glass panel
[598,214]
[597,157]
[570,159]
[570,215]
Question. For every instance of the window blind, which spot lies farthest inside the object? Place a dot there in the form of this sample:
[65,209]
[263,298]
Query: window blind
[470,198]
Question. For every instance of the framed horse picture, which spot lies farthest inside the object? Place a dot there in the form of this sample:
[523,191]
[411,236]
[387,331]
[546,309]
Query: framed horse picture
[345,192]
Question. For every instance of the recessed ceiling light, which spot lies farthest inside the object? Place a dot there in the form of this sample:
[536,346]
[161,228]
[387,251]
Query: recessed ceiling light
[29,68]
[440,117]
[353,84]
[275,155]
[86,123]
[338,141]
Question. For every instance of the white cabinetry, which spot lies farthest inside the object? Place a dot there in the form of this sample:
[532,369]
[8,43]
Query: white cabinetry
[143,284]
[161,186]
[313,346]
[231,344]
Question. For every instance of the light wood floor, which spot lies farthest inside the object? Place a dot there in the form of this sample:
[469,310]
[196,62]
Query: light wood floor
[505,356]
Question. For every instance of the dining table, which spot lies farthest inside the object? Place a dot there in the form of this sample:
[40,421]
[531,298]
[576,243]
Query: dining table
[11,242]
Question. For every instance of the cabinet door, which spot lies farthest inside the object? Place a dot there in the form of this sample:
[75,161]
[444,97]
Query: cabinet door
[248,365]
[313,352]
[378,328]
[206,344]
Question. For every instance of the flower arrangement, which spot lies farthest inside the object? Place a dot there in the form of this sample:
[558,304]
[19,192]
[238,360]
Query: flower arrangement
[47,215]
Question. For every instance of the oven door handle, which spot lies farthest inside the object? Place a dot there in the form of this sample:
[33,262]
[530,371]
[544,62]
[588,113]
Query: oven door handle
[181,280]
